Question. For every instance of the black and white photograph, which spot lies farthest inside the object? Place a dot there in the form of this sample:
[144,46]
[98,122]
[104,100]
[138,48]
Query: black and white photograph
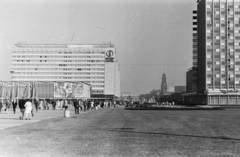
[119,78]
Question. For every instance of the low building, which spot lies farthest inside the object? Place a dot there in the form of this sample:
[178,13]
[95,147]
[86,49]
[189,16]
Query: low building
[191,80]
[171,89]
[45,90]
[180,89]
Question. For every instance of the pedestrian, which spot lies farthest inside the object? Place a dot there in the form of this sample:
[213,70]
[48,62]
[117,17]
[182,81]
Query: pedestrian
[84,105]
[44,104]
[92,105]
[54,104]
[36,103]
[65,103]
[47,104]
[76,106]
[62,104]
[0,106]
[14,104]
[57,104]
[28,109]
[22,108]
[102,104]
[80,104]
[105,103]
[8,104]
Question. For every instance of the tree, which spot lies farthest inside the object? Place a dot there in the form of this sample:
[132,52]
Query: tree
[129,98]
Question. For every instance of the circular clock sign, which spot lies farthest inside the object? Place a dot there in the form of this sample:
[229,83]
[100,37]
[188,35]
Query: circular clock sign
[109,53]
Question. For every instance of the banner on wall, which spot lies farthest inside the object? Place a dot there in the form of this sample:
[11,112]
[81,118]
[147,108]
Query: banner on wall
[68,90]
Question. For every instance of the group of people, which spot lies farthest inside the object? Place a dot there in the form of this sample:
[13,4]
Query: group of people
[26,106]
[84,105]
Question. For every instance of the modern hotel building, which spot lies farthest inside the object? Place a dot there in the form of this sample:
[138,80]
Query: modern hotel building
[218,53]
[95,64]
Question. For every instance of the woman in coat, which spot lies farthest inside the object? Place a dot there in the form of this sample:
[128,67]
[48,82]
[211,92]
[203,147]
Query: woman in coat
[28,109]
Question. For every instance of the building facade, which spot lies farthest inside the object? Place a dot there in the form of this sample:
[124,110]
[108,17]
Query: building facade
[180,89]
[218,47]
[191,80]
[95,64]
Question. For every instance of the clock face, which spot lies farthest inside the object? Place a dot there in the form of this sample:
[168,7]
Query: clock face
[109,53]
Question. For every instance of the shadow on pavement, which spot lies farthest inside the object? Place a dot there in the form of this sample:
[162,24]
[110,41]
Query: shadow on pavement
[171,134]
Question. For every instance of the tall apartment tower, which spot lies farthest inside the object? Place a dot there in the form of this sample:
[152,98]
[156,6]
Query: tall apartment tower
[218,48]
[195,39]
[191,75]
[164,84]
[218,45]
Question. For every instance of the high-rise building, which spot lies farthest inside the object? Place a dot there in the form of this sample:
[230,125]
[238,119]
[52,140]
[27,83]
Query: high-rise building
[191,75]
[195,39]
[218,48]
[95,64]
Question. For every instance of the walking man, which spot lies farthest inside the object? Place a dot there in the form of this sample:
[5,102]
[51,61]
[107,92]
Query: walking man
[22,108]
[36,103]
[76,106]
[8,104]
[14,103]
[0,106]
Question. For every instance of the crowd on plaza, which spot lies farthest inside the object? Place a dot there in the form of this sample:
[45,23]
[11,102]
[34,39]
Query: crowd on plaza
[28,106]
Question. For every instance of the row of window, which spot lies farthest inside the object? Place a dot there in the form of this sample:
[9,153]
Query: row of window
[54,77]
[58,73]
[90,82]
[14,60]
[98,65]
[63,56]
[223,87]
[97,92]
[58,69]
[57,52]
[98,86]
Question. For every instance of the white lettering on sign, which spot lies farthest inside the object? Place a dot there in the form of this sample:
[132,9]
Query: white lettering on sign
[229,91]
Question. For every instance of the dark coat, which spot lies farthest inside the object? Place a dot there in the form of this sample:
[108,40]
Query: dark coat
[76,103]
[14,104]
[22,103]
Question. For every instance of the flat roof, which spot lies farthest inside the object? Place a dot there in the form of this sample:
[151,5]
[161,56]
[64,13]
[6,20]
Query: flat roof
[24,45]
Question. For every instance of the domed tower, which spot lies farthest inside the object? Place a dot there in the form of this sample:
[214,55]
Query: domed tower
[164,84]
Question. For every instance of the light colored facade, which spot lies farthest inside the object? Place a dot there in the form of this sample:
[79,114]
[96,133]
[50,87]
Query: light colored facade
[218,40]
[171,89]
[219,44]
[95,64]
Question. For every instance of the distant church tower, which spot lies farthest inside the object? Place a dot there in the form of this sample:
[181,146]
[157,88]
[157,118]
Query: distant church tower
[164,84]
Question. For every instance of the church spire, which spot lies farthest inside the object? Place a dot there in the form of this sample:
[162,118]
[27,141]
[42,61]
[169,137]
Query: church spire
[164,83]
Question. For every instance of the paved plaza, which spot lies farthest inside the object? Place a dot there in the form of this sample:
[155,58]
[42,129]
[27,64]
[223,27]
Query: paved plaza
[119,132]
[10,119]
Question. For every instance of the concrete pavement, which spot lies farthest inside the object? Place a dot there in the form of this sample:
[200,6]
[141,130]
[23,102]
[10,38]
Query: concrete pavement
[10,119]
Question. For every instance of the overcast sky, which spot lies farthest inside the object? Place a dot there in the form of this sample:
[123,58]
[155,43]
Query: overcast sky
[150,36]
